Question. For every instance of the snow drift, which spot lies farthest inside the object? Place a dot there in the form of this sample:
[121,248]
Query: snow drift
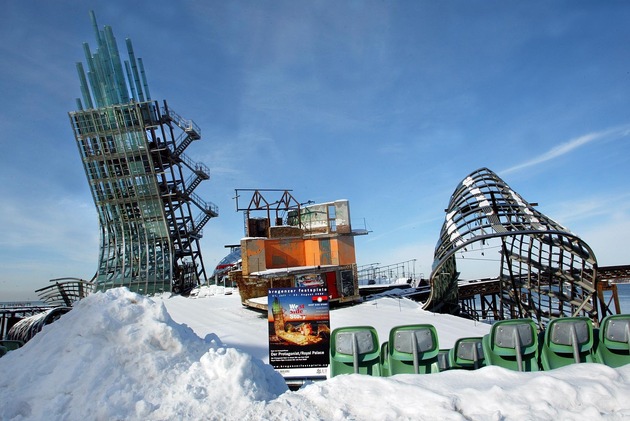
[119,355]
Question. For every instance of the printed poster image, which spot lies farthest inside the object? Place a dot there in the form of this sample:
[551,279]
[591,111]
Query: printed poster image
[299,331]
[309,281]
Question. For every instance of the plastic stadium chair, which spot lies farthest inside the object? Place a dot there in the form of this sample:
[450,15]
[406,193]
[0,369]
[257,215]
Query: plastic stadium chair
[354,350]
[467,354]
[11,345]
[613,348]
[512,344]
[567,340]
[413,349]
[443,360]
[385,359]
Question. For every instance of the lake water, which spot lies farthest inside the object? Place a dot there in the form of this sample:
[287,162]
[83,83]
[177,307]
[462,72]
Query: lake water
[623,291]
[13,304]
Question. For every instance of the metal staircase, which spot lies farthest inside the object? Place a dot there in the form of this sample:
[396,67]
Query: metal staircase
[178,191]
[191,131]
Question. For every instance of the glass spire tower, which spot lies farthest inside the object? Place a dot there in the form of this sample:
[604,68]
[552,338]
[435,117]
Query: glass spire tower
[142,183]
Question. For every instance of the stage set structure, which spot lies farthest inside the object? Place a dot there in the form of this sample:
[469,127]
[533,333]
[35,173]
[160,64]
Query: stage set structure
[545,272]
[289,244]
[142,183]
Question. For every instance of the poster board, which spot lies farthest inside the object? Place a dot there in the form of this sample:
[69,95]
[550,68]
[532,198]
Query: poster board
[299,332]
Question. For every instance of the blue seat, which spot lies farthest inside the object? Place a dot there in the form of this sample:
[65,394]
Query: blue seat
[512,344]
[413,349]
[354,350]
[613,348]
[567,340]
[467,353]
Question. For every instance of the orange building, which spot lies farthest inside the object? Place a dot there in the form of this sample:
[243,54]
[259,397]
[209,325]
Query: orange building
[313,246]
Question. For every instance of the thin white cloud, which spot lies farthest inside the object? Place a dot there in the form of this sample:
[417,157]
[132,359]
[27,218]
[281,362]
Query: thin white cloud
[595,207]
[569,146]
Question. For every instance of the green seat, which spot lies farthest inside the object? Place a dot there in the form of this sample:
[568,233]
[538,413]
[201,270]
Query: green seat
[467,354]
[512,344]
[567,340]
[613,348]
[384,359]
[354,350]
[413,349]
[11,345]
[3,350]
[443,360]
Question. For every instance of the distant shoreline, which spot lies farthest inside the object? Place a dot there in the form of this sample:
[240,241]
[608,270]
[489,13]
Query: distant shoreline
[623,291]
[23,303]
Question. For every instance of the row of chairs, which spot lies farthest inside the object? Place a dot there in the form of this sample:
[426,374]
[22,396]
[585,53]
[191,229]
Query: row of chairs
[513,344]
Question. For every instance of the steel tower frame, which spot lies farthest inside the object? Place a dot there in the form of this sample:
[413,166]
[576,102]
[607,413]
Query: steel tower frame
[141,181]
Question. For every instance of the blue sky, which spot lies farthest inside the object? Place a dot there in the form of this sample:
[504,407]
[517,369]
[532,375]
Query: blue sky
[388,104]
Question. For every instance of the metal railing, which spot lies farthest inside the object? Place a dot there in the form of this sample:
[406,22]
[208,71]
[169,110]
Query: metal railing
[182,123]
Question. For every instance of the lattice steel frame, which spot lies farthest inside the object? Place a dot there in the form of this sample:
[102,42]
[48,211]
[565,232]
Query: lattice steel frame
[546,271]
[135,250]
[133,155]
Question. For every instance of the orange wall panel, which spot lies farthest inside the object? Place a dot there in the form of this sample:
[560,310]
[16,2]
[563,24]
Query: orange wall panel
[311,252]
[334,251]
[284,252]
[253,255]
[345,251]
[260,253]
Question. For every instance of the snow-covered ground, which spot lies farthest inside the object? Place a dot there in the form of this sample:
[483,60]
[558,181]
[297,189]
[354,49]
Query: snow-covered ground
[245,329]
[119,355]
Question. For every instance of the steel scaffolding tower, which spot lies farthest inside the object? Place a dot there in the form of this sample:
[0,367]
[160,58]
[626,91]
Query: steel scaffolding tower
[141,181]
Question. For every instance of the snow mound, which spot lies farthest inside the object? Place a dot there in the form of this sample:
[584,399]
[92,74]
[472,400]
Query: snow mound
[119,355]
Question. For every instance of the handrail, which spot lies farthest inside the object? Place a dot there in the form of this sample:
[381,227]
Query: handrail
[207,207]
[193,165]
[186,125]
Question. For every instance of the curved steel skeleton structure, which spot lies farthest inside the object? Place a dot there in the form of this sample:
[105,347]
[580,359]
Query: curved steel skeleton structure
[546,271]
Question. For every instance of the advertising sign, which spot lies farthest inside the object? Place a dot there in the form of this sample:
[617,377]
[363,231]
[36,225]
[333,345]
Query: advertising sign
[299,331]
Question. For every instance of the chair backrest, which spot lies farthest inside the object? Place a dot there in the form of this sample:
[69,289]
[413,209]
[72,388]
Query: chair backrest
[567,340]
[615,332]
[384,358]
[354,349]
[443,360]
[512,344]
[413,349]
[10,344]
[467,353]
[613,348]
